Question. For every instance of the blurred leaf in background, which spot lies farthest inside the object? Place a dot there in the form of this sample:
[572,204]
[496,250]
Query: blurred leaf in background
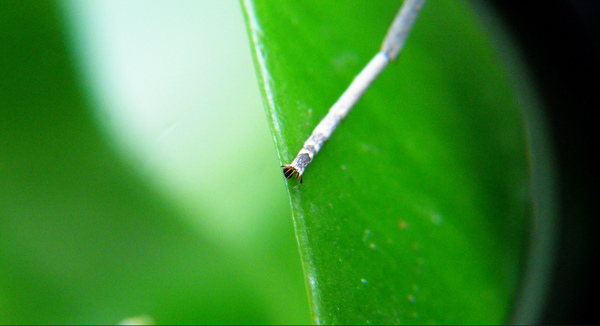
[137,178]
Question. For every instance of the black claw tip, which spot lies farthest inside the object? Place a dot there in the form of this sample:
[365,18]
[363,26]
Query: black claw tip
[290,172]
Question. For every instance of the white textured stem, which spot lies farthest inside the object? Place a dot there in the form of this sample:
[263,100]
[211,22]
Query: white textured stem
[392,44]
[337,112]
[401,27]
[354,92]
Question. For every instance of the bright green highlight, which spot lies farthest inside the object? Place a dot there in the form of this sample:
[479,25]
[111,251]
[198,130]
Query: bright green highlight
[122,124]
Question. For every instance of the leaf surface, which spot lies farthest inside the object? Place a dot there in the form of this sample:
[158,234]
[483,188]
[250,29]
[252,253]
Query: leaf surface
[417,208]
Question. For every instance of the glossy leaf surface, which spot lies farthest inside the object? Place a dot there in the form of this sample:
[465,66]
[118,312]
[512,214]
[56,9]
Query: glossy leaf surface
[417,209]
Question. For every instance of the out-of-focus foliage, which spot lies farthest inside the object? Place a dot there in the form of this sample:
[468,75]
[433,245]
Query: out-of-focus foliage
[137,177]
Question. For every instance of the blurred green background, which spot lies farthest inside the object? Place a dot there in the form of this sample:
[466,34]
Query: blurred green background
[137,175]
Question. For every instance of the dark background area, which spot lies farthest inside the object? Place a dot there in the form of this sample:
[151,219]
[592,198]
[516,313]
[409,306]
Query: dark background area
[561,43]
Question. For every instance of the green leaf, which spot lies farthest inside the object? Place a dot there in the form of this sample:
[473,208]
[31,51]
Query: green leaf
[417,209]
